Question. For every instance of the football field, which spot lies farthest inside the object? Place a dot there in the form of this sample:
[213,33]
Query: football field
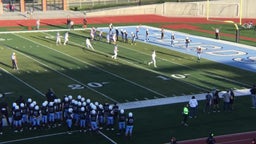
[73,69]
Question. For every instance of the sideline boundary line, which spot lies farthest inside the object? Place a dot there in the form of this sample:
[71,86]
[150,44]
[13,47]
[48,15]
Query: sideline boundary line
[173,100]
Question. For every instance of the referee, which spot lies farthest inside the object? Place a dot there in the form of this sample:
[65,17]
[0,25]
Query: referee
[14,61]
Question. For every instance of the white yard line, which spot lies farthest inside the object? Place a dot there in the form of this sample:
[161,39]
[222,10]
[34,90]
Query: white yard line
[103,70]
[109,98]
[132,82]
[180,33]
[160,73]
[112,141]
[25,83]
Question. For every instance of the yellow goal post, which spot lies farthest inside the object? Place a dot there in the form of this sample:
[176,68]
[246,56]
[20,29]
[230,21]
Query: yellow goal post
[218,8]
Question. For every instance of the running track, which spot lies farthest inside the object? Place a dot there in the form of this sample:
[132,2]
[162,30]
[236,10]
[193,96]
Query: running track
[239,138]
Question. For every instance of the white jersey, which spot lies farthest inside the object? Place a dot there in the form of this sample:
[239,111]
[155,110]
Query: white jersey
[88,44]
[153,61]
[58,38]
[13,56]
[115,49]
[66,38]
[115,52]
[154,55]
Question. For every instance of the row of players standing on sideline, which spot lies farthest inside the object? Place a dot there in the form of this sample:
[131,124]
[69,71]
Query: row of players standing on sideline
[77,113]
[212,104]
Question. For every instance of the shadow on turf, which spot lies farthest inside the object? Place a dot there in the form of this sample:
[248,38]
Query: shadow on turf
[34,56]
[1,63]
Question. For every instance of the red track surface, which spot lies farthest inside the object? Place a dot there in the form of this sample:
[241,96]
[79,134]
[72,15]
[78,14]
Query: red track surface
[137,19]
[241,138]
[238,138]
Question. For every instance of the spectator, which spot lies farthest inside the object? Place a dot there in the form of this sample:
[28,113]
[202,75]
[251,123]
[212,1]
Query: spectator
[216,100]
[72,25]
[173,140]
[210,139]
[253,95]
[193,107]
[31,13]
[226,101]
[68,22]
[208,103]
[217,32]
[84,23]
[185,114]
[37,24]
[12,7]
[232,99]
[253,141]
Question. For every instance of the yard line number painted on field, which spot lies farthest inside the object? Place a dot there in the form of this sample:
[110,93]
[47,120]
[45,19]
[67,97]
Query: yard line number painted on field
[178,76]
[90,84]
[101,84]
